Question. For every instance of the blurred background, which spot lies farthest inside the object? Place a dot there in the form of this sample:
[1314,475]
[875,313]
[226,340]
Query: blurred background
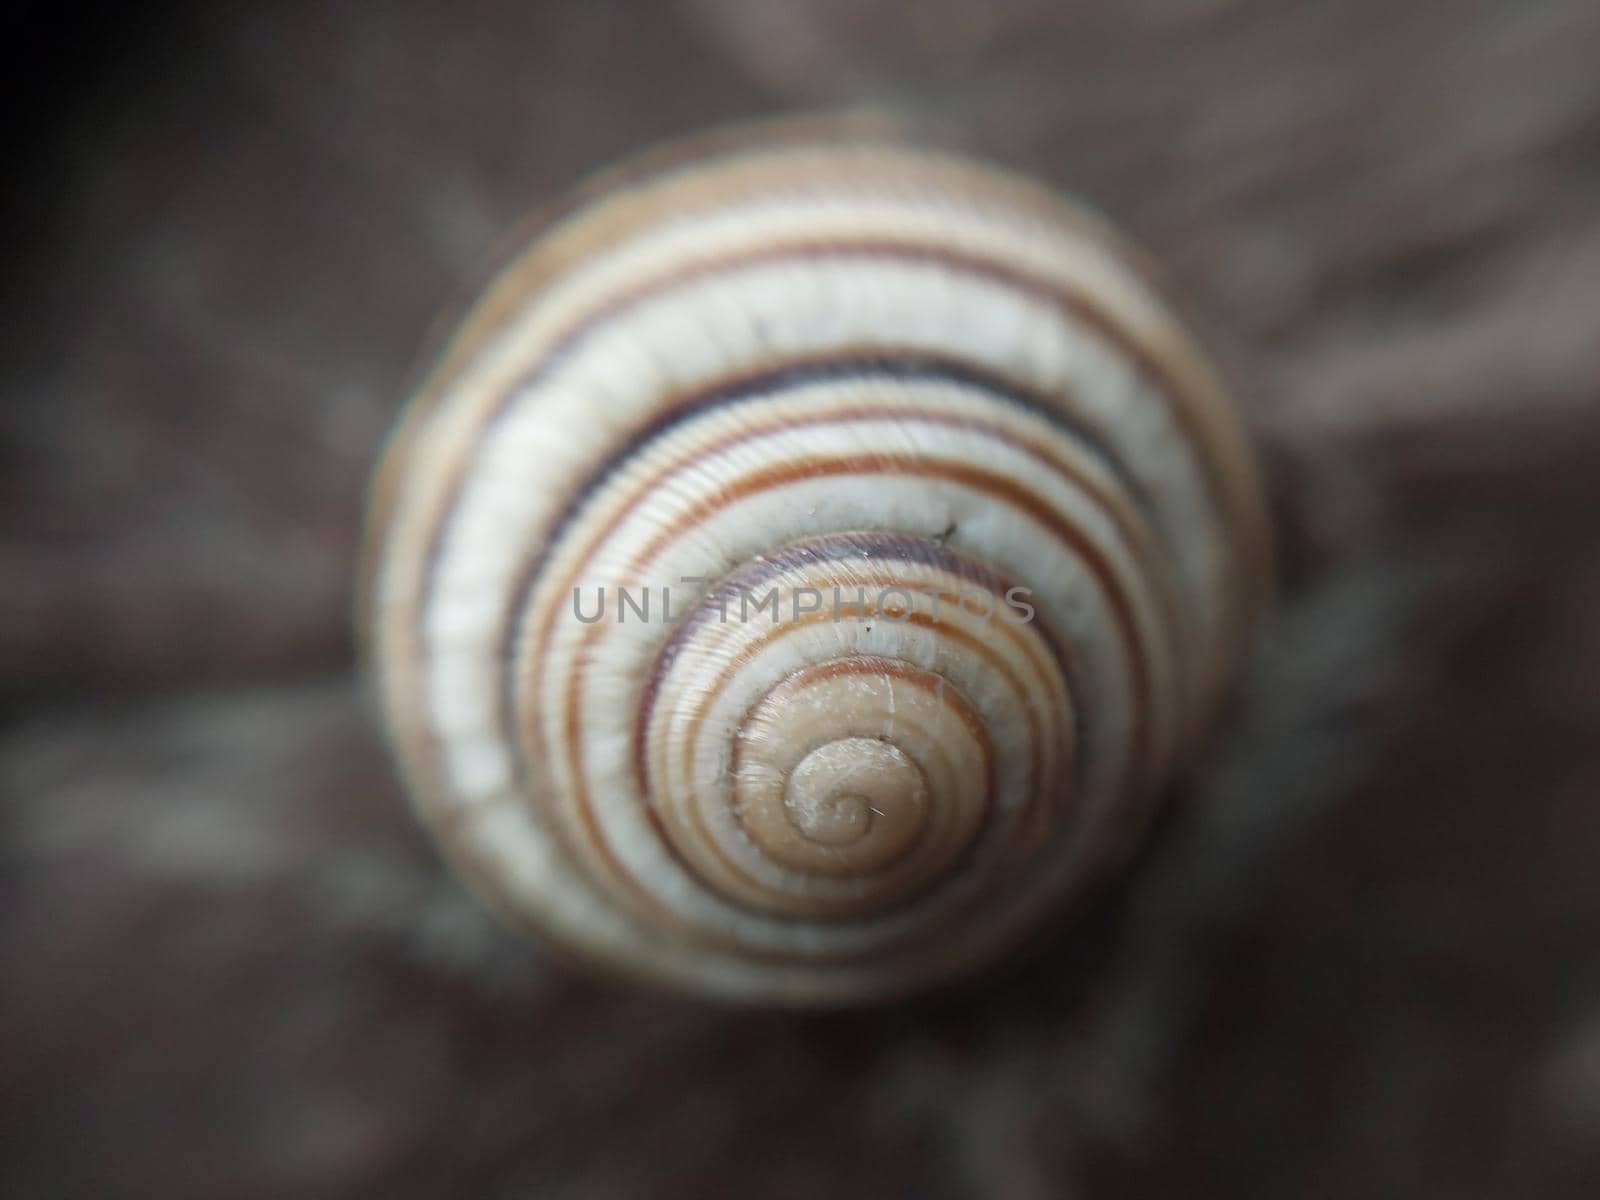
[1359,957]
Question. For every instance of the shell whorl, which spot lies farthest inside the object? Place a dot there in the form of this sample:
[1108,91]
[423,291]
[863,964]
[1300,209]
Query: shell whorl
[803,567]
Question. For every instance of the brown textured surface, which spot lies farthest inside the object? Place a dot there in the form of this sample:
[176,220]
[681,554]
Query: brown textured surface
[1360,958]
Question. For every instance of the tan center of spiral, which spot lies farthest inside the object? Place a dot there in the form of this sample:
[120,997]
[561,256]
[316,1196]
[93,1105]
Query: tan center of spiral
[845,788]
[861,768]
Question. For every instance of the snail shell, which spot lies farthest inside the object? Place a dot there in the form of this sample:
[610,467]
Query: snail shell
[1012,523]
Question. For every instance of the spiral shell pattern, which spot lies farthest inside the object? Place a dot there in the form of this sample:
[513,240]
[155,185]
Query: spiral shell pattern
[803,567]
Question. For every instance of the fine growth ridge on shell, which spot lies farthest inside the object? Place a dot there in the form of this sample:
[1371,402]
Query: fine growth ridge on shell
[804,566]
